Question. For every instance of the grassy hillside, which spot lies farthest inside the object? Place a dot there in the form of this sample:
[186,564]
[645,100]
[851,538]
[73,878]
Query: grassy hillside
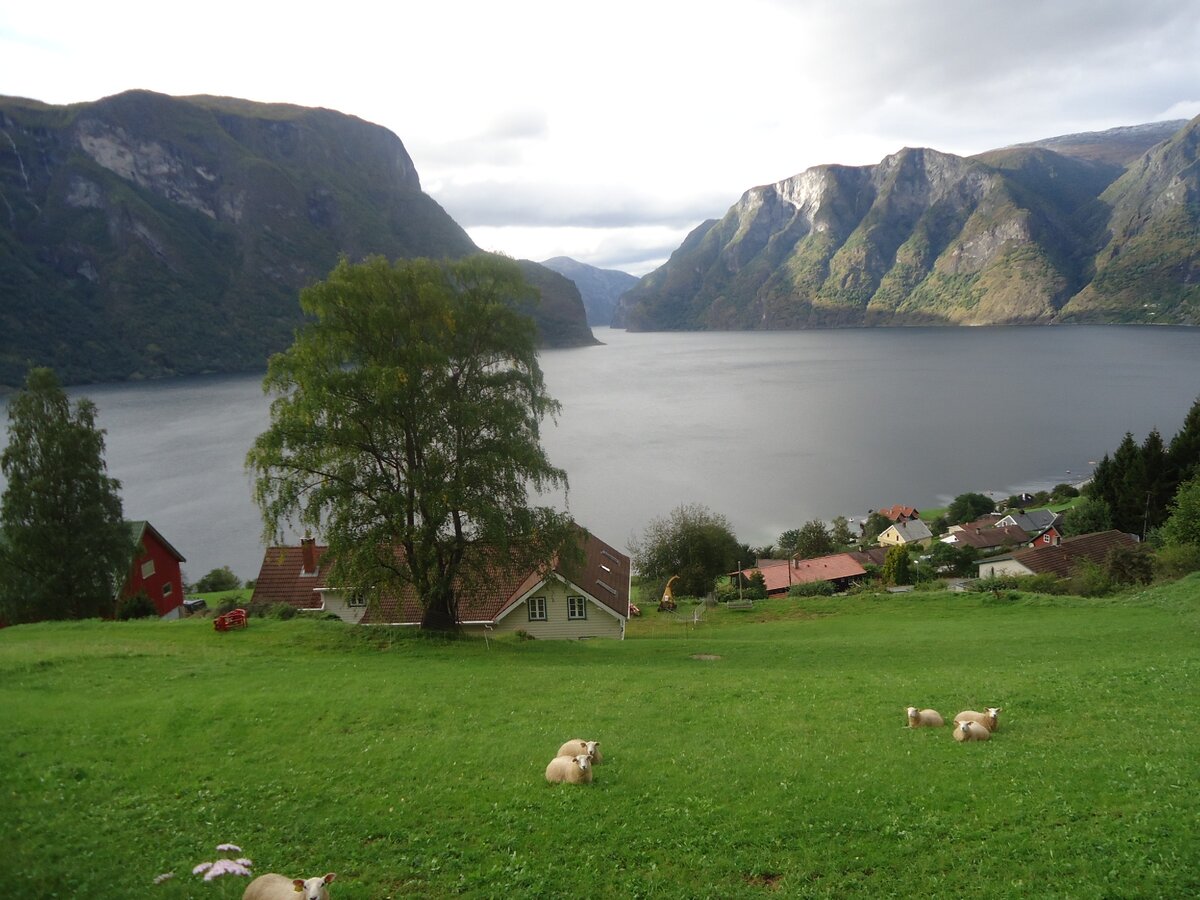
[758,752]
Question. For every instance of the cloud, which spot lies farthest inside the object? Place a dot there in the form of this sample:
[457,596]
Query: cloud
[636,249]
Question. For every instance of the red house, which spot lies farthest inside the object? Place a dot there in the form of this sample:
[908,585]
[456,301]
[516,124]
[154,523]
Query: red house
[155,570]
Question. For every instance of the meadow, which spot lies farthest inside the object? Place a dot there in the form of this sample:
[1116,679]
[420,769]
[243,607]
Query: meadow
[756,754]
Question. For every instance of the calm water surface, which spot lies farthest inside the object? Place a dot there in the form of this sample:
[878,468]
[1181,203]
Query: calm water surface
[771,429]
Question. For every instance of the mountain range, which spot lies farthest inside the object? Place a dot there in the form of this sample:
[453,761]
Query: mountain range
[1101,227]
[144,235]
[599,288]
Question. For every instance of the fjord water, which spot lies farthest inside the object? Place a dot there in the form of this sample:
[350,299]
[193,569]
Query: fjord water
[771,429]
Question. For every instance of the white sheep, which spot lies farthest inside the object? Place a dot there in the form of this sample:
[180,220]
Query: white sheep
[279,887]
[971,731]
[930,718]
[570,769]
[989,720]
[575,746]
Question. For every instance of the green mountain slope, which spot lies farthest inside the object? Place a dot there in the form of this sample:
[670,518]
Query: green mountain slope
[924,237]
[144,235]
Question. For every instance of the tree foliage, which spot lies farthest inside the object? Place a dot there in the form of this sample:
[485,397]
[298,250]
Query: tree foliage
[897,566]
[1183,524]
[841,533]
[1087,516]
[968,507]
[813,540]
[222,579]
[64,547]
[876,524]
[692,542]
[405,428]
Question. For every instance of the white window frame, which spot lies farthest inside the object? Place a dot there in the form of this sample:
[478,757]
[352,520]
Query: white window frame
[356,600]
[148,568]
[167,588]
[576,609]
[537,609]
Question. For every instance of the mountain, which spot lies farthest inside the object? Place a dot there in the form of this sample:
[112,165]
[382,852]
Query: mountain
[599,288]
[1019,235]
[1119,146]
[143,235]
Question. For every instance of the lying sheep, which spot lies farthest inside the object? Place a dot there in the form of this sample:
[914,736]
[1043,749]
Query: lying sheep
[279,887]
[989,720]
[930,718]
[971,731]
[571,769]
[575,746]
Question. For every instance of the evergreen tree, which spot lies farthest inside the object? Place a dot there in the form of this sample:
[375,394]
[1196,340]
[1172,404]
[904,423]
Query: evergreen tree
[841,533]
[897,566]
[1183,524]
[1184,452]
[1159,484]
[64,547]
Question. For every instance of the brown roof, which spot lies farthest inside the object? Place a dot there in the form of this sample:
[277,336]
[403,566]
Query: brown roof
[875,556]
[897,512]
[990,538]
[603,576]
[827,568]
[1062,559]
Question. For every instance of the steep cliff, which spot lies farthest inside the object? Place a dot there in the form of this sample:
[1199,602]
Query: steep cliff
[599,288]
[925,237]
[144,235]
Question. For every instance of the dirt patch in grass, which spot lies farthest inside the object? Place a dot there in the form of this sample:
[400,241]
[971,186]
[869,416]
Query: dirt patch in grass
[768,880]
[705,656]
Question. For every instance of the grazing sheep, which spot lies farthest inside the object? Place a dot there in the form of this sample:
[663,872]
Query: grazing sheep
[971,731]
[571,769]
[989,720]
[278,887]
[930,718]
[575,746]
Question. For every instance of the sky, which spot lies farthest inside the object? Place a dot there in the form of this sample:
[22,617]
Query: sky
[608,131]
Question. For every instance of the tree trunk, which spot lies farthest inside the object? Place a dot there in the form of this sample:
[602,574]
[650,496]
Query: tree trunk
[439,615]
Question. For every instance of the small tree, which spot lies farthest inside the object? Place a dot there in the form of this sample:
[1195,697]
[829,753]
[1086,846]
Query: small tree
[65,548]
[1183,523]
[221,579]
[692,542]
[813,540]
[1129,565]
[968,507]
[876,524]
[1088,516]
[841,533]
[1062,492]
[897,566]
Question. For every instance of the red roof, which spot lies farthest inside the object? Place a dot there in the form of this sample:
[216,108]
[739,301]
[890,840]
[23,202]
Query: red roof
[603,576]
[779,577]
[897,512]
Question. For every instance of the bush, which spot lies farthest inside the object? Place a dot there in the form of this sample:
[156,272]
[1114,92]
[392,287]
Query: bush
[139,606]
[1175,562]
[282,611]
[813,589]
[221,579]
[1089,580]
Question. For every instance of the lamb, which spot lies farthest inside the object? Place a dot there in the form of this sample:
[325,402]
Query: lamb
[570,769]
[575,746]
[279,887]
[930,718]
[989,720]
[971,731]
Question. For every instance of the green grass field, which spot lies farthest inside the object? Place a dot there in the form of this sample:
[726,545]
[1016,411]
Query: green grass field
[760,753]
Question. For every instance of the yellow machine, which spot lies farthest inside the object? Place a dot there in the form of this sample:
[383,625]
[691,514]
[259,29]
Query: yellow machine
[667,603]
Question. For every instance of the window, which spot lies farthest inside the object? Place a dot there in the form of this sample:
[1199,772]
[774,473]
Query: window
[356,599]
[576,608]
[166,589]
[537,609]
[148,568]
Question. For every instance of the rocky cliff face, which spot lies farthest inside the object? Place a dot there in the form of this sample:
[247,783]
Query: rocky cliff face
[930,238]
[145,235]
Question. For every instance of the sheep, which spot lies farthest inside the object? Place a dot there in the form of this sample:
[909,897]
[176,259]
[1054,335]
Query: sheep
[971,731]
[571,769]
[279,887]
[930,718]
[989,720]
[575,746]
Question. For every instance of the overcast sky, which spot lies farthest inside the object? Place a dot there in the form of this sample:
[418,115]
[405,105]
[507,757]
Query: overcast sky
[607,131]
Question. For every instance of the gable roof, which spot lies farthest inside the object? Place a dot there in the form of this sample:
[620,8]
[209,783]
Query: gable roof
[138,530]
[897,512]
[910,531]
[991,537]
[603,576]
[1033,520]
[1061,559]
[827,568]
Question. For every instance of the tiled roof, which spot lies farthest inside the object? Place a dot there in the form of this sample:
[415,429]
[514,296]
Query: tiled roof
[1062,559]
[897,512]
[1034,520]
[603,575]
[827,568]
[874,556]
[991,537]
[912,530]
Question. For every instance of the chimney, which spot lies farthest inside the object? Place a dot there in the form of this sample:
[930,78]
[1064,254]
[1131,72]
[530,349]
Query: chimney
[308,553]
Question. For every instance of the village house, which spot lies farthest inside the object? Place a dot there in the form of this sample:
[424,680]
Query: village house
[898,513]
[987,539]
[155,570]
[585,601]
[1060,559]
[1044,526]
[908,531]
